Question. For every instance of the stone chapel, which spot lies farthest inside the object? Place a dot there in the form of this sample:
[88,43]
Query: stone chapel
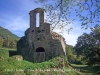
[40,43]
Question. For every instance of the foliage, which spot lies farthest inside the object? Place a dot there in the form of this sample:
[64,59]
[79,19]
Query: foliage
[88,45]
[1,42]
[72,56]
[7,39]
[60,12]
[4,33]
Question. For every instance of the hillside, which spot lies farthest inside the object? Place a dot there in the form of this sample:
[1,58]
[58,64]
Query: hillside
[5,33]
[7,39]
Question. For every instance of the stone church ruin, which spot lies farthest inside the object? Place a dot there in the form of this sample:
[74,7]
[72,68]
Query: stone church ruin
[40,43]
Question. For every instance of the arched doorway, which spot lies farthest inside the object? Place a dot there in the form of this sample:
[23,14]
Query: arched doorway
[39,55]
[40,49]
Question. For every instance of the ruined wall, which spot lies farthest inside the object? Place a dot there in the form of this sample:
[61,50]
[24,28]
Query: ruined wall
[40,43]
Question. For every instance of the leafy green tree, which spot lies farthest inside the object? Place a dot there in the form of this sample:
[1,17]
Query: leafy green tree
[88,45]
[60,12]
[1,42]
[9,43]
[7,39]
[71,54]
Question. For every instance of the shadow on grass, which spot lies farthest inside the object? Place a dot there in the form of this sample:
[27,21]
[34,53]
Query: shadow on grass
[88,69]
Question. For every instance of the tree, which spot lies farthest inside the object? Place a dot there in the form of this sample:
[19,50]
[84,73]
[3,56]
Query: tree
[88,45]
[1,42]
[60,12]
[71,55]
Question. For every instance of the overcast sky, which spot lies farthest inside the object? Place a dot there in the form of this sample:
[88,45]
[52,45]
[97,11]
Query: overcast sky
[14,15]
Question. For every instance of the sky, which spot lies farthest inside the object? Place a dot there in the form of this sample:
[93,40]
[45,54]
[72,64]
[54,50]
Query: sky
[14,15]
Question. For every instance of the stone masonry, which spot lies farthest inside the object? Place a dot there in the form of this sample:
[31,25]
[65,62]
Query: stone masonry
[40,43]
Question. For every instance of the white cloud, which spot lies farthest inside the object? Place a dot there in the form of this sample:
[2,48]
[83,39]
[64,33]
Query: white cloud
[71,38]
[18,24]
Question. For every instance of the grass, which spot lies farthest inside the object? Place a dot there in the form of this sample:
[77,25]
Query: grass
[30,68]
[87,70]
[11,66]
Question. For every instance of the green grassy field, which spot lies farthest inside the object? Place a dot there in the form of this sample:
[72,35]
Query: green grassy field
[11,66]
[86,70]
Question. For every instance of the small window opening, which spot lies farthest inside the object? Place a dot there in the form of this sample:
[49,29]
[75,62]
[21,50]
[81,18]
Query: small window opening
[43,30]
[32,30]
[38,31]
[38,39]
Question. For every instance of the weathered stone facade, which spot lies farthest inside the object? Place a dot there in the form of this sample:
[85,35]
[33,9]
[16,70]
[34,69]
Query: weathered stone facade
[40,43]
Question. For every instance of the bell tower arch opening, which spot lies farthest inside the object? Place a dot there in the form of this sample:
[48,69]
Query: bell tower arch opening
[40,49]
[37,19]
